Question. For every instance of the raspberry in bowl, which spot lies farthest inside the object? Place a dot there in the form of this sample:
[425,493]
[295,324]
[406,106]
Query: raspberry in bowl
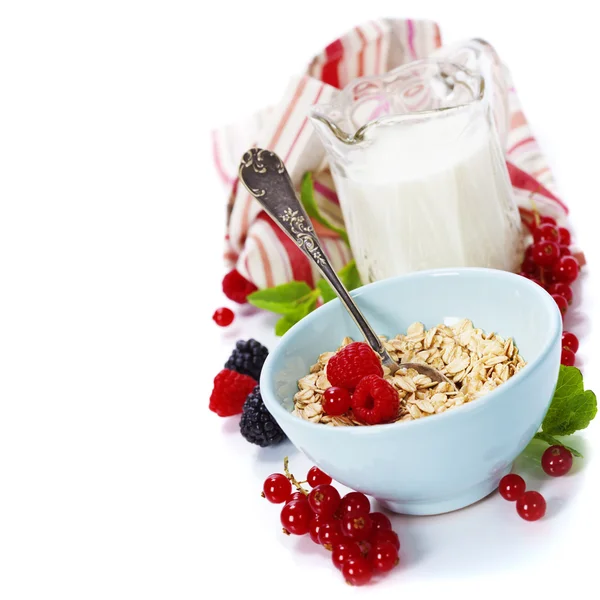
[447,460]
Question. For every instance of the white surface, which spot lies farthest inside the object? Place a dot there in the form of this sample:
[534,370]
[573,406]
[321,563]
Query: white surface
[115,479]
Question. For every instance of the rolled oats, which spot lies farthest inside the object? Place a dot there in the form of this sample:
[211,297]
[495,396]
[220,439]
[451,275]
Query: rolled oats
[477,362]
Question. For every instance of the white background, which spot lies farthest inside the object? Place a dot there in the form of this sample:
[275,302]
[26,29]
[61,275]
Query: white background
[115,479]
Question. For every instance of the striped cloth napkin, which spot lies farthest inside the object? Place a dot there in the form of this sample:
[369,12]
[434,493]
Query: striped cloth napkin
[255,246]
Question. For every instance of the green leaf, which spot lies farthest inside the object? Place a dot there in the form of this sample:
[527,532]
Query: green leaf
[552,441]
[349,276]
[327,292]
[307,196]
[287,321]
[572,407]
[282,299]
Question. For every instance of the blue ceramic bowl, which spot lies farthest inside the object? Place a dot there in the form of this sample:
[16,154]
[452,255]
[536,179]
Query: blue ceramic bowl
[447,461]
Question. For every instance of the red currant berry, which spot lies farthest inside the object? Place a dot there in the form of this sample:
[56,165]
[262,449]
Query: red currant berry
[528,251]
[365,547]
[528,266]
[383,557]
[314,528]
[316,477]
[277,488]
[357,571]
[566,270]
[569,340]
[324,500]
[562,303]
[336,401]
[547,220]
[330,533]
[385,535]
[297,496]
[561,289]
[345,551]
[557,461]
[567,357]
[564,236]
[512,487]
[354,504]
[531,506]
[545,253]
[357,528]
[565,251]
[380,521]
[546,231]
[296,517]
[223,317]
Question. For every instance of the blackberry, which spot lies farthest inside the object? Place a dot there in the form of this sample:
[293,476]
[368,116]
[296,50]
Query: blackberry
[257,425]
[247,358]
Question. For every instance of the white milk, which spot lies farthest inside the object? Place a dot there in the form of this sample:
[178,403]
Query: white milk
[426,194]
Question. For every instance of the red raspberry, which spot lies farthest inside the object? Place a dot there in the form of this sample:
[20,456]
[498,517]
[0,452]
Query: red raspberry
[375,401]
[229,393]
[236,287]
[352,363]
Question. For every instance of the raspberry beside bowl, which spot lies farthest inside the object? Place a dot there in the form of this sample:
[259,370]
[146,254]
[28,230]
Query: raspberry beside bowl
[443,462]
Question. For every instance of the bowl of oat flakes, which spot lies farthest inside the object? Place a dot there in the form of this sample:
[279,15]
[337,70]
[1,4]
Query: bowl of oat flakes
[494,334]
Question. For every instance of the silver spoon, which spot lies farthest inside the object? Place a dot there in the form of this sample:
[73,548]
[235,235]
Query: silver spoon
[264,175]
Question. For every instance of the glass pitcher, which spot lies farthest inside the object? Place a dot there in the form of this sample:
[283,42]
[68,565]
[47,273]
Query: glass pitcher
[419,171]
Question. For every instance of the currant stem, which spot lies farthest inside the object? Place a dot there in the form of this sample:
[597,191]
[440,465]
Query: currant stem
[292,479]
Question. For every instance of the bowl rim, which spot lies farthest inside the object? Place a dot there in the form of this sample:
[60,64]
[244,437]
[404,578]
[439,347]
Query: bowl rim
[555,319]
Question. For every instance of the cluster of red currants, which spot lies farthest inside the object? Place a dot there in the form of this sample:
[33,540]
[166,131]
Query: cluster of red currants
[361,542]
[531,505]
[548,261]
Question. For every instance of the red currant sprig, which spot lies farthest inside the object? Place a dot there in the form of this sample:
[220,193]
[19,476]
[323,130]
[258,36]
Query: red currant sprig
[361,542]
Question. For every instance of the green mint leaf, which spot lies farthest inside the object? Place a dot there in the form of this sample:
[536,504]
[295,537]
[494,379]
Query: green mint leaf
[301,310]
[552,441]
[282,299]
[327,292]
[572,408]
[307,196]
[349,276]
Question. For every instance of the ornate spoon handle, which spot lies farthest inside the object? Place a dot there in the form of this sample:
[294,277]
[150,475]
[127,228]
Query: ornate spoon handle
[263,174]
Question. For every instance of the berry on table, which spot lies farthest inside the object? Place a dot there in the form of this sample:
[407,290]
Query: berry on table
[257,425]
[546,231]
[316,477]
[562,304]
[345,551]
[357,528]
[236,287]
[557,461]
[223,317]
[564,236]
[357,571]
[375,401]
[330,533]
[296,517]
[324,500]
[561,289]
[566,269]
[230,390]
[383,557]
[567,357]
[353,362]
[248,358]
[545,253]
[570,340]
[380,521]
[354,504]
[277,488]
[336,401]
[512,487]
[385,535]
[531,506]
